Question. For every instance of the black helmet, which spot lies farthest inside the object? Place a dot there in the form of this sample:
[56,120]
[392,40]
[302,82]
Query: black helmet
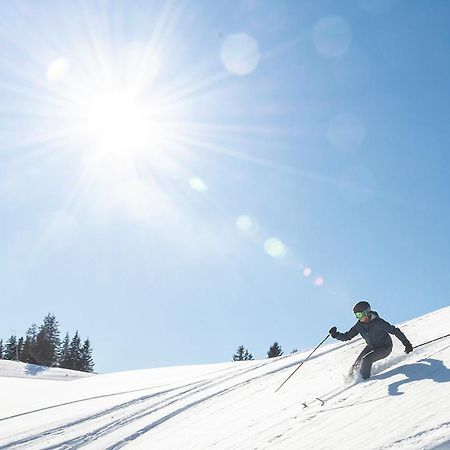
[361,306]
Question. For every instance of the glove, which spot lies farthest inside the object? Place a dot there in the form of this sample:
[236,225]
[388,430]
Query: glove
[408,347]
[333,332]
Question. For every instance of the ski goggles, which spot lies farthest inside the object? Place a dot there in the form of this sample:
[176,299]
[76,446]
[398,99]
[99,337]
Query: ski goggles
[358,315]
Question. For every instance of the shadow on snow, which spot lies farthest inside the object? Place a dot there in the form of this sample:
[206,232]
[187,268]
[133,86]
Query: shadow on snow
[32,369]
[424,369]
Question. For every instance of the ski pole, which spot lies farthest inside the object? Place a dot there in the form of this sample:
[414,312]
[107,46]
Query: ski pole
[301,364]
[433,340]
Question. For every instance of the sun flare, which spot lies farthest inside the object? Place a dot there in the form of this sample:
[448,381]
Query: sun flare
[131,112]
[120,128]
[115,119]
[116,122]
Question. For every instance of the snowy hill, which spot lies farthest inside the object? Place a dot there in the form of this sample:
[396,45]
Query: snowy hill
[405,405]
[18,369]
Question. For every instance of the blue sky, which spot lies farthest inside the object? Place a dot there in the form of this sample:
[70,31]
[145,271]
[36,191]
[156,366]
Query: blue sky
[177,180]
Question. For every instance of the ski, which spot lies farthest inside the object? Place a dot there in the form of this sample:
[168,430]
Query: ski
[330,395]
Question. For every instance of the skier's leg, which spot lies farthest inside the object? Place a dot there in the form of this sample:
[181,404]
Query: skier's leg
[357,363]
[371,357]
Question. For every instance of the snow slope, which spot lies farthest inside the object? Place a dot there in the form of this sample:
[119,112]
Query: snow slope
[18,369]
[405,405]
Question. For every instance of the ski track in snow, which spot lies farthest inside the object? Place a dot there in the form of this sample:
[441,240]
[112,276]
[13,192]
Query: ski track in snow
[134,421]
[124,421]
[81,400]
[117,408]
[114,425]
[96,397]
[419,439]
[58,430]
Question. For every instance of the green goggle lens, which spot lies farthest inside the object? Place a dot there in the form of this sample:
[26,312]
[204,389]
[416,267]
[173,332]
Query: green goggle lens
[358,315]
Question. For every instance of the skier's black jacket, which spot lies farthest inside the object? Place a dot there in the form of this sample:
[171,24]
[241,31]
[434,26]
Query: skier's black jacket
[375,332]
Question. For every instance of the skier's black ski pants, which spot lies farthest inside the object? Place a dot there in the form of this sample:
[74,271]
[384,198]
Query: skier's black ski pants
[368,356]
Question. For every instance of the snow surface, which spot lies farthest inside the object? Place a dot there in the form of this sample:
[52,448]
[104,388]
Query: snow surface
[405,405]
[17,369]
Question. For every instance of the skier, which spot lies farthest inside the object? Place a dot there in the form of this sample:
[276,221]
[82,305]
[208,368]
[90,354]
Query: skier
[375,332]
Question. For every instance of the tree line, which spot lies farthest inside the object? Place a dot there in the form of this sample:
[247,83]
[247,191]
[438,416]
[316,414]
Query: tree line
[242,354]
[43,346]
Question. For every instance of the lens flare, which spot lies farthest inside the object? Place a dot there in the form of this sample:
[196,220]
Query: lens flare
[244,223]
[275,248]
[240,54]
[319,281]
[197,184]
[332,37]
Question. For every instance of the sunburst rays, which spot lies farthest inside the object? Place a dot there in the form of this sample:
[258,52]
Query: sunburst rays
[97,95]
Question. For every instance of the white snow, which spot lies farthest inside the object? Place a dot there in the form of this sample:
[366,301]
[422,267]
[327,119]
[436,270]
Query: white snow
[405,405]
[17,369]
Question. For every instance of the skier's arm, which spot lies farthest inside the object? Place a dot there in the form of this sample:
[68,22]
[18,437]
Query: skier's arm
[350,334]
[391,329]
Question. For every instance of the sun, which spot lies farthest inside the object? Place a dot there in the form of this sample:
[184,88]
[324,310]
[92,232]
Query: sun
[118,123]
[116,120]
[120,129]
[128,115]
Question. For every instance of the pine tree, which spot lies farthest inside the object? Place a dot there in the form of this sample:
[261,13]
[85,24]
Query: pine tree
[48,342]
[242,354]
[20,344]
[43,346]
[64,353]
[239,355]
[29,346]
[75,353]
[274,350]
[87,362]
[11,348]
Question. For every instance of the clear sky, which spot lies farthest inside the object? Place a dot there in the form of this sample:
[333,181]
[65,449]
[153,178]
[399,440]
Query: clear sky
[179,178]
